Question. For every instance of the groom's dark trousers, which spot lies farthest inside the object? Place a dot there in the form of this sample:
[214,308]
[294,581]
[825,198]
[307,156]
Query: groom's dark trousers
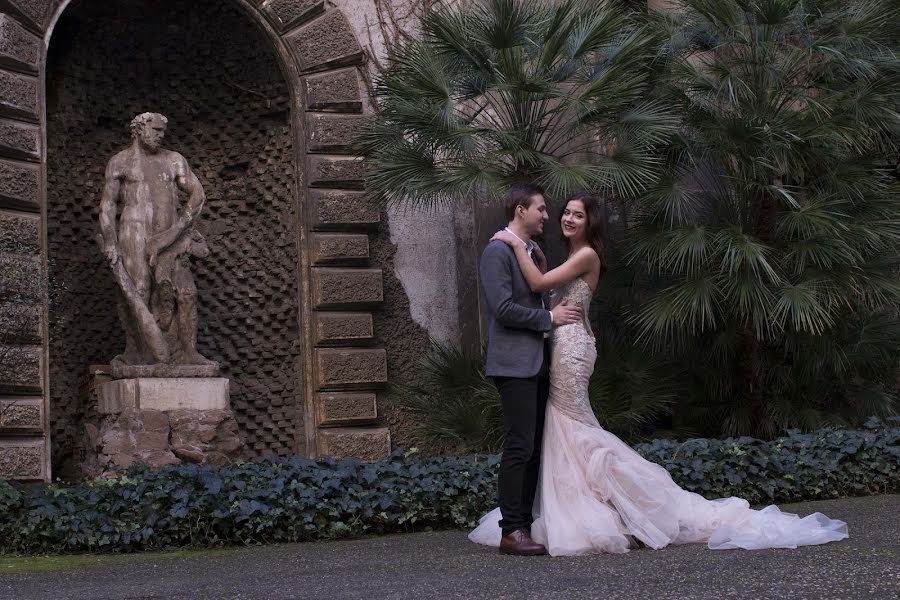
[518,361]
[524,402]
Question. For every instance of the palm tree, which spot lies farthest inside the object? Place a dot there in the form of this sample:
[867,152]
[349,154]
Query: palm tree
[552,92]
[763,257]
[456,408]
[770,250]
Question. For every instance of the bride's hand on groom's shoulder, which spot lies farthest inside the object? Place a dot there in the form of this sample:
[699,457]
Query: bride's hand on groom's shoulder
[506,237]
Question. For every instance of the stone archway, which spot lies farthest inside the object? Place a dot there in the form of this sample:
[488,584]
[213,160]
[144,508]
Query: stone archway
[318,55]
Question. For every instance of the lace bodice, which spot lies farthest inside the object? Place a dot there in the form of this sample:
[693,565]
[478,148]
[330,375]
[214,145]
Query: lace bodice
[574,353]
[577,292]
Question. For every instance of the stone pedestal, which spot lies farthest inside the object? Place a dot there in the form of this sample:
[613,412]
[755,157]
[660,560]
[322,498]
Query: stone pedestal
[201,393]
[160,421]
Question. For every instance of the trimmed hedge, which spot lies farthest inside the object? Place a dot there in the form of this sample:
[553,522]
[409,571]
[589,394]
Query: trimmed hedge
[295,499]
[827,463]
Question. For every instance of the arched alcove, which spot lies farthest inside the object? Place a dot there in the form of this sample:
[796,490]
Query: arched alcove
[214,75]
[263,99]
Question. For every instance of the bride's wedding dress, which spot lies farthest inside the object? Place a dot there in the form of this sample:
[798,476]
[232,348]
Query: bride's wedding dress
[596,494]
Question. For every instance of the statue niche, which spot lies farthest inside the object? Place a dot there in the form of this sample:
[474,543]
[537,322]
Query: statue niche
[149,254]
[164,403]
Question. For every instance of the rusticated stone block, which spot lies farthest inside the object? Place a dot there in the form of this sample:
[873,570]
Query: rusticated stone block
[145,441]
[37,12]
[19,140]
[340,328]
[23,459]
[159,438]
[346,288]
[369,444]
[349,173]
[205,436]
[325,43]
[336,248]
[337,90]
[20,322]
[18,95]
[19,185]
[332,133]
[289,13]
[348,368]
[20,277]
[19,233]
[339,209]
[333,410]
[155,420]
[20,369]
[18,48]
[18,415]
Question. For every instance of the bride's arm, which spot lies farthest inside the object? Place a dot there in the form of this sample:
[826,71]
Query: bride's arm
[574,267]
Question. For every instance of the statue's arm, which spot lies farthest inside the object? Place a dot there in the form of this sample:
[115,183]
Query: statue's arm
[190,184]
[108,211]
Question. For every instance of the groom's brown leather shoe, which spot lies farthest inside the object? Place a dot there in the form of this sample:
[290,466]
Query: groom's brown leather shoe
[519,543]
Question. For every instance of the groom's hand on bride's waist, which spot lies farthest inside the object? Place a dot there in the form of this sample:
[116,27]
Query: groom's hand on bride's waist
[565,314]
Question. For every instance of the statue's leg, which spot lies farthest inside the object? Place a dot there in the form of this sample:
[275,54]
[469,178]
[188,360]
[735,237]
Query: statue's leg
[133,250]
[186,293]
[132,354]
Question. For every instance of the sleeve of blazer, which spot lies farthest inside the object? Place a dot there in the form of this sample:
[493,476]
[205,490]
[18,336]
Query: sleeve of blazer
[496,278]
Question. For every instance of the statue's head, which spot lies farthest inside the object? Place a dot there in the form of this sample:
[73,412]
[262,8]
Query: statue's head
[149,128]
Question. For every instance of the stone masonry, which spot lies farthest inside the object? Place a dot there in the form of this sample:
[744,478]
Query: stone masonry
[228,107]
[160,438]
[278,169]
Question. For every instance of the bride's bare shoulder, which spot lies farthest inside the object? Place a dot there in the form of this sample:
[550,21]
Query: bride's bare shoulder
[587,253]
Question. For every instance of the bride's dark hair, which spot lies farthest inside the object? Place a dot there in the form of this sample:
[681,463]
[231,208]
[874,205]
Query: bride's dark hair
[595,211]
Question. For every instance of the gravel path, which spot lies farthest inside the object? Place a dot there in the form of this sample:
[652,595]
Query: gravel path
[446,565]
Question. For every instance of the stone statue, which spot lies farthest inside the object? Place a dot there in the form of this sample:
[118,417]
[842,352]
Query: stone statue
[150,253]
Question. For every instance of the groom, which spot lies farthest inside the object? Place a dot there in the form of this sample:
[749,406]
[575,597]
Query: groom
[518,360]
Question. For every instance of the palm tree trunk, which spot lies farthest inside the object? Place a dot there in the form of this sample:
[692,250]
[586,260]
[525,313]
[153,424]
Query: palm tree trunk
[750,382]
[749,365]
[768,212]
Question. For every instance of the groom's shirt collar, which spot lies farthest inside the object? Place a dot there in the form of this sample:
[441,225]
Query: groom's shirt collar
[529,245]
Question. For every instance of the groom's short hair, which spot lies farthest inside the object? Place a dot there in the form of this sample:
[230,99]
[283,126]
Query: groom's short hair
[520,194]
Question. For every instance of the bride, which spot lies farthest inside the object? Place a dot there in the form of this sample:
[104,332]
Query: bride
[596,494]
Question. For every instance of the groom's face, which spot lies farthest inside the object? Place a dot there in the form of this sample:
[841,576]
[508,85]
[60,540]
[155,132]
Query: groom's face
[534,217]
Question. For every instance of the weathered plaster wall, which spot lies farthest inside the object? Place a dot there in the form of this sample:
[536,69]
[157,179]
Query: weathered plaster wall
[425,260]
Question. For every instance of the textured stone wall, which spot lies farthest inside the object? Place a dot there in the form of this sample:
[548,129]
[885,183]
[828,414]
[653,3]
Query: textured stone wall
[419,254]
[23,441]
[361,332]
[210,71]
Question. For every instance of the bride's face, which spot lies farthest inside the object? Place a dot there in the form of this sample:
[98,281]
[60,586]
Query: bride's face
[574,220]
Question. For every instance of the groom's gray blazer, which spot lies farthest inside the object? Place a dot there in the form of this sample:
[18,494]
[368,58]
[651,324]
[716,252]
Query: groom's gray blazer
[516,321]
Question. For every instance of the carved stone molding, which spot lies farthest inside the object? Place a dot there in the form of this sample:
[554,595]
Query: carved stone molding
[345,442]
[350,368]
[340,409]
[342,328]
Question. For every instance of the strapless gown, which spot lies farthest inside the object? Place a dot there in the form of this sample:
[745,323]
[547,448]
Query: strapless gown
[596,494]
